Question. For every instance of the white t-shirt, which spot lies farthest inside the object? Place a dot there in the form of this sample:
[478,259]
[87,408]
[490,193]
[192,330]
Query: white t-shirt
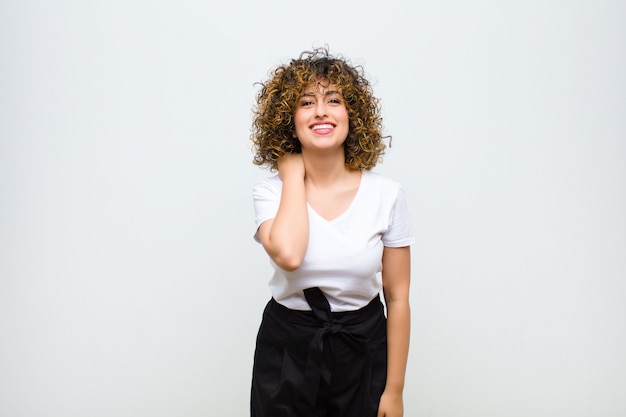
[344,255]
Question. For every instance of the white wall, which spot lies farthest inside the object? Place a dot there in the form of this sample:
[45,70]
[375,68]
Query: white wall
[129,282]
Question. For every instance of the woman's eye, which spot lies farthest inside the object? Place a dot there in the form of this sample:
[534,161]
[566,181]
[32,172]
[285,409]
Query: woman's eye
[335,101]
[306,103]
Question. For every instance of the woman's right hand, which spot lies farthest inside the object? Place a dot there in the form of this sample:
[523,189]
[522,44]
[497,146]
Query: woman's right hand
[291,165]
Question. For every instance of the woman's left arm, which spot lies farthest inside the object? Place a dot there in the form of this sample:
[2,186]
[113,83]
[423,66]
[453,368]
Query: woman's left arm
[396,275]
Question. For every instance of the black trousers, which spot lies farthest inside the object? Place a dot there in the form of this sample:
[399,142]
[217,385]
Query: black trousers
[317,363]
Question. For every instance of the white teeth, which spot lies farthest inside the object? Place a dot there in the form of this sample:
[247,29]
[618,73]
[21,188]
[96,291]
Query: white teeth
[327,126]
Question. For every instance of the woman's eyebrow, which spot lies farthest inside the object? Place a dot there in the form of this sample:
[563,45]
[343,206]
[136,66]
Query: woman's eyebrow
[327,93]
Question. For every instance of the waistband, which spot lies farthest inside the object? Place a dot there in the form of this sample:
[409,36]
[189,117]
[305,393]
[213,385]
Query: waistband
[346,317]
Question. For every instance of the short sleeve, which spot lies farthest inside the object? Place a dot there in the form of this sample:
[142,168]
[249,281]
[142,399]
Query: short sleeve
[266,197]
[399,232]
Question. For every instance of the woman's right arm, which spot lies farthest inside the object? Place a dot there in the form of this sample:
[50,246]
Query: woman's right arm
[285,237]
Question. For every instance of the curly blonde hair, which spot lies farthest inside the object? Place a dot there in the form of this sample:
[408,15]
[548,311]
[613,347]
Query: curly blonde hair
[273,122]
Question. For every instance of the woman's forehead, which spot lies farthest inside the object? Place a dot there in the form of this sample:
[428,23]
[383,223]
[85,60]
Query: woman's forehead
[321,87]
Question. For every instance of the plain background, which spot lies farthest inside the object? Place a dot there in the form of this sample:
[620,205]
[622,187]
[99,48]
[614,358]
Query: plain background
[130,285]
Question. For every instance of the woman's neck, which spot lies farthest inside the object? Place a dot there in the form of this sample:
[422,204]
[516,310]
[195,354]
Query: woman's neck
[326,169]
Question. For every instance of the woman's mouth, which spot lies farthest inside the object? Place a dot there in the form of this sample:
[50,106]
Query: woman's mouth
[323,128]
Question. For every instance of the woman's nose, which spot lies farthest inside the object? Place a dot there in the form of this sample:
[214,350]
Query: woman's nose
[320,109]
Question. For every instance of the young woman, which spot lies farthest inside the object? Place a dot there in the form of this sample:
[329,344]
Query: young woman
[330,226]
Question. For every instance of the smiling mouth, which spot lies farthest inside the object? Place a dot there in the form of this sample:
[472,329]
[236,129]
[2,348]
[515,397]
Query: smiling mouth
[325,126]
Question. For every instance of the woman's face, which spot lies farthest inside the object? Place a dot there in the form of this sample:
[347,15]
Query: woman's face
[321,119]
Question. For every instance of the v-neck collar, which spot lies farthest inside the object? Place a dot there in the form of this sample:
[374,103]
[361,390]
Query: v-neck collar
[348,209]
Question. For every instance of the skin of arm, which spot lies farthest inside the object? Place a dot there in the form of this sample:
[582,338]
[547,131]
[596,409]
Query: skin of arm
[396,275]
[285,238]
